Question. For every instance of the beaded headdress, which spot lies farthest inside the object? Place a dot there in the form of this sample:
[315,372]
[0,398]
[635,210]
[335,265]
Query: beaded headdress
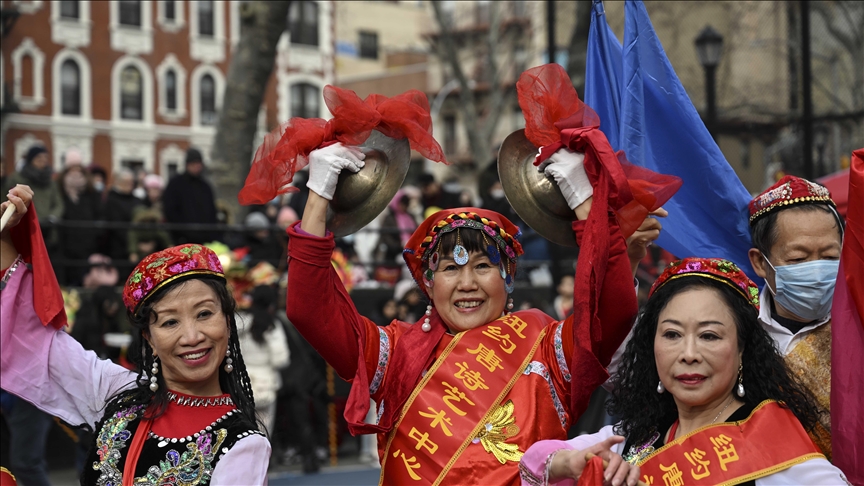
[717,269]
[160,268]
[422,252]
[788,191]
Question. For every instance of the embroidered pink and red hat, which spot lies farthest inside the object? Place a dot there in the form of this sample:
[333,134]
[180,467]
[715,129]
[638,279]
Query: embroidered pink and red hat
[717,269]
[788,191]
[160,268]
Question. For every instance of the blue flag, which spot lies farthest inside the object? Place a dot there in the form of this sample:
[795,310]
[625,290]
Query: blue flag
[645,111]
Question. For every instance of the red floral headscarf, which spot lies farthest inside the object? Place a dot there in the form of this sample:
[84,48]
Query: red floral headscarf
[498,228]
[717,269]
[160,268]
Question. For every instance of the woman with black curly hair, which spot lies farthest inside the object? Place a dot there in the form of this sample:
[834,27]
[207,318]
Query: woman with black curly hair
[186,415]
[703,396]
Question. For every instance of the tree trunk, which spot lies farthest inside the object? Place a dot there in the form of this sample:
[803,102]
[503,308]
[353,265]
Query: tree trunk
[261,25]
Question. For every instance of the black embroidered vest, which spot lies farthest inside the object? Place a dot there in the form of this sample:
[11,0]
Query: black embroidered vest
[187,460]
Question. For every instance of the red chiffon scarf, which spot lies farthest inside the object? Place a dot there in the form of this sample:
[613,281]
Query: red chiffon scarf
[556,118]
[286,149]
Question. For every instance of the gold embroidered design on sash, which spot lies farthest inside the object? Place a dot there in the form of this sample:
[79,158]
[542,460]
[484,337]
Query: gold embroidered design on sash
[501,426]
[810,362]
[457,401]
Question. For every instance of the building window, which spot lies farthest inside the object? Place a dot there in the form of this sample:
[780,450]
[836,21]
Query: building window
[205,18]
[171,90]
[449,134]
[69,9]
[130,12]
[170,14]
[70,88]
[368,45]
[208,100]
[303,23]
[305,100]
[131,94]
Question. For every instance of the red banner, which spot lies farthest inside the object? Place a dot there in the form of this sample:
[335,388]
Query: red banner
[456,399]
[731,453]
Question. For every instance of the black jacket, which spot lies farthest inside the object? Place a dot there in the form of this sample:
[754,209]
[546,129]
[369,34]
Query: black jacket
[189,199]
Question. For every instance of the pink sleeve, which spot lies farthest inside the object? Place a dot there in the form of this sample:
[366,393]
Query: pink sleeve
[532,467]
[48,367]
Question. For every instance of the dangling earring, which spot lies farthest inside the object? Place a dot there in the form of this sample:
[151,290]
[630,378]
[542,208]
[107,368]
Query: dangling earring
[228,366]
[509,304]
[740,388]
[153,371]
[426,326]
[660,387]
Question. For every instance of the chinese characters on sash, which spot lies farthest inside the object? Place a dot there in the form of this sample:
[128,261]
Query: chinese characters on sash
[496,343]
[700,466]
[730,453]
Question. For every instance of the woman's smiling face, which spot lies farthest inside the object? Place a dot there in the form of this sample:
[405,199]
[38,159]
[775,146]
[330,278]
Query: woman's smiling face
[468,296]
[189,333]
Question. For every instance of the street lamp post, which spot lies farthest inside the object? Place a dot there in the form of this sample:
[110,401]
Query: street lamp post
[709,48]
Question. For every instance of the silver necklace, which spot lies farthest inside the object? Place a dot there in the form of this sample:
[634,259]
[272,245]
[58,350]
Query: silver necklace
[724,409]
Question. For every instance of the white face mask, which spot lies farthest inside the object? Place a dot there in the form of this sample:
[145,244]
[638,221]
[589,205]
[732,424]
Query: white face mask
[497,193]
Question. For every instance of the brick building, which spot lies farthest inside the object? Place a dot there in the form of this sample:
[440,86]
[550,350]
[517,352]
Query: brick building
[134,83]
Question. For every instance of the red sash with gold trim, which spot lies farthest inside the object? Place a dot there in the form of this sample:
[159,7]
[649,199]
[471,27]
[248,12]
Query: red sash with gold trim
[771,439]
[454,399]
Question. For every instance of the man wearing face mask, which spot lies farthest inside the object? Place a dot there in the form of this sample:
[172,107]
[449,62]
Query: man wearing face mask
[797,234]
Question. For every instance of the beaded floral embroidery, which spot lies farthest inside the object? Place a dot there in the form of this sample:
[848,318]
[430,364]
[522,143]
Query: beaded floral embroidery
[111,439]
[193,467]
[788,191]
[639,452]
[161,267]
[714,268]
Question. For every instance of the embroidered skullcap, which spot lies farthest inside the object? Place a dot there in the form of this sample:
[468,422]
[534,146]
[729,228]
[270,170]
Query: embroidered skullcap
[787,192]
[497,228]
[166,266]
[717,269]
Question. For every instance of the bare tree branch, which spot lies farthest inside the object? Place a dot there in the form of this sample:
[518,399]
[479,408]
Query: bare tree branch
[850,18]
[467,107]
[847,41]
[262,23]
[496,101]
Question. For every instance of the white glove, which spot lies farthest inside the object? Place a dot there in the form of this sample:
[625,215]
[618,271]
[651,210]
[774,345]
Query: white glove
[326,163]
[566,167]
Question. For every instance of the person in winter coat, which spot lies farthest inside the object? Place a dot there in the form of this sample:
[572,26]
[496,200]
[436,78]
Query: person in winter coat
[189,199]
[38,174]
[80,203]
[120,208]
[265,349]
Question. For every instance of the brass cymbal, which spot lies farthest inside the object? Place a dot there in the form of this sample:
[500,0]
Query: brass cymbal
[535,197]
[361,196]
